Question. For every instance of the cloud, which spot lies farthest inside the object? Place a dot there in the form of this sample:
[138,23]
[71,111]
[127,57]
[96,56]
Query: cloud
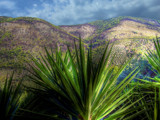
[7,5]
[80,11]
[35,5]
[66,12]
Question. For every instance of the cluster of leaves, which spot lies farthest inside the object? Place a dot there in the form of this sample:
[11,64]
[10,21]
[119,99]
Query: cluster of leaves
[9,99]
[150,89]
[71,87]
[146,70]
[76,88]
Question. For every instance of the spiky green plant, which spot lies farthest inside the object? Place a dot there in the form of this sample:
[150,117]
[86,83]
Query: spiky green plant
[9,99]
[153,109]
[32,107]
[80,88]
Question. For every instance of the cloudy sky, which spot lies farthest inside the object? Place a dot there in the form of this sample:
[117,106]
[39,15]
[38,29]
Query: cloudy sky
[68,12]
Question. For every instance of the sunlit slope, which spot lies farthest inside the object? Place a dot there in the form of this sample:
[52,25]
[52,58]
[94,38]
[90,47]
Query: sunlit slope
[130,35]
[23,35]
[130,29]
[20,37]
[83,30]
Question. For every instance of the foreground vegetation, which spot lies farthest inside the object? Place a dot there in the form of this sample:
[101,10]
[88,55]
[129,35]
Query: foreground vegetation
[72,87]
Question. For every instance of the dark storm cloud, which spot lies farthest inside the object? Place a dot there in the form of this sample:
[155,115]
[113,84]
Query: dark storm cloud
[66,12]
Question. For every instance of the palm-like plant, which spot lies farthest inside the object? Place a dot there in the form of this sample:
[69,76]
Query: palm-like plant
[80,88]
[9,100]
[154,57]
[153,109]
[33,107]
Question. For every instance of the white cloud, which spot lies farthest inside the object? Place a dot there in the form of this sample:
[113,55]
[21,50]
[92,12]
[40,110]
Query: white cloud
[82,11]
[34,5]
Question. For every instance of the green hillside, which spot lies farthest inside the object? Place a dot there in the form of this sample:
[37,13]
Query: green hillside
[22,36]
[130,34]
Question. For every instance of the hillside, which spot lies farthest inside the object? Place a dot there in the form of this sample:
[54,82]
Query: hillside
[99,26]
[22,36]
[84,30]
[130,35]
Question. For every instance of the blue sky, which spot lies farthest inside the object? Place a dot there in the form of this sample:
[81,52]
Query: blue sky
[68,12]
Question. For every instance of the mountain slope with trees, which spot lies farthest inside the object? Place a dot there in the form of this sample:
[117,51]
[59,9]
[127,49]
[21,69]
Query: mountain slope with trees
[22,36]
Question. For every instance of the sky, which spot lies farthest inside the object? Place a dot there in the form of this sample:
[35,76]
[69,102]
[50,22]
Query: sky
[70,12]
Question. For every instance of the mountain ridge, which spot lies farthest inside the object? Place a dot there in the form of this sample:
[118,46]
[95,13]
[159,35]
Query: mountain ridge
[102,25]
[23,35]
[132,35]
[29,35]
